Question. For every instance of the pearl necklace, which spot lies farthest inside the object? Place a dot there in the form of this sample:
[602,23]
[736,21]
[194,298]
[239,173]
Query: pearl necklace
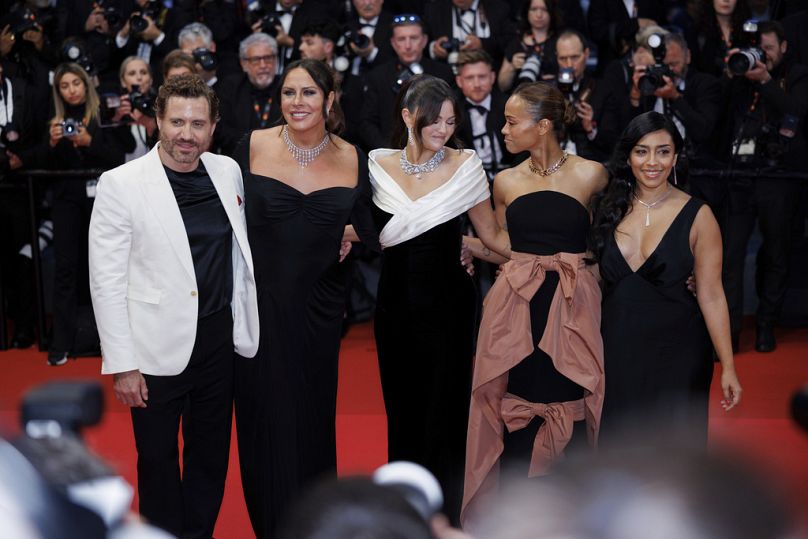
[549,170]
[303,156]
[420,170]
[652,204]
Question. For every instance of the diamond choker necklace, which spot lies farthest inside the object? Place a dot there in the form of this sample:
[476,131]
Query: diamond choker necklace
[303,156]
[419,170]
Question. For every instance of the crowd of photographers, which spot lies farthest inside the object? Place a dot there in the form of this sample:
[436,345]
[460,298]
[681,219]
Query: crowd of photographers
[78,80]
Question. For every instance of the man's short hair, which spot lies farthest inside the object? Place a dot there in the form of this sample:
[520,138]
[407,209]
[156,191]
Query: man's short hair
[325,29]
[256,39]
[408,19]
[177,58]
[772,27]
[677,38]
[474,57]
[187,86]
[569,32]
[195,30]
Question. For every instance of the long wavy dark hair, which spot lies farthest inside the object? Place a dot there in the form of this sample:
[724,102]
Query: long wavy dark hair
[556,17]
[707,22]
[614,203]
[423,96]
[324,78]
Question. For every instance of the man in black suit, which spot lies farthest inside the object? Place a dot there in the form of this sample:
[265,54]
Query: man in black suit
[369,19]
[691,99]
[477,24]
[152,42]
[293,16]
[483,110]
[247,101]
[381,88]
[613,24]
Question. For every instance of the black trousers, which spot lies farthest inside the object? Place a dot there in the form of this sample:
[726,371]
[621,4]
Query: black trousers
[774,203]
[187,504]
[71,219]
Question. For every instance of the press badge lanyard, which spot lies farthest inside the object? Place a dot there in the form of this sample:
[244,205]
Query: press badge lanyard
[262,115]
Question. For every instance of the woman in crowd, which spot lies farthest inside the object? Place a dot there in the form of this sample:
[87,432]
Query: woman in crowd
[717,30]
[648,237]
[302,184]
[538,24]
[136,80]
[538,374]
[176,63]
[75,142]
[425,312]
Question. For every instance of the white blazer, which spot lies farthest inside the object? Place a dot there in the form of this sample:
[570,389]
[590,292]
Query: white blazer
[142,278]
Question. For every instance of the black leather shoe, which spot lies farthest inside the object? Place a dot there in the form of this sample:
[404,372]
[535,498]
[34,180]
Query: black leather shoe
[764,341]
[57,358]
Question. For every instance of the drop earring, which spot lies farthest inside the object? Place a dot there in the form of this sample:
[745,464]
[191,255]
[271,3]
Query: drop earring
[675,181]
[410,139]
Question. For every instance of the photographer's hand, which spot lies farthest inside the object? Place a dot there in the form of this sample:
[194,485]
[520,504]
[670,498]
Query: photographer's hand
[151,32]
[130,388]
[284,39]
[14,161]
[56,132]
[586,114]
[669,90]
[82,138]
[759,73]
[364,53]
[94,20]
[518,60]
[471,43]
[36,37]
[437,50]
[146,121]
[6,40]
[124,110]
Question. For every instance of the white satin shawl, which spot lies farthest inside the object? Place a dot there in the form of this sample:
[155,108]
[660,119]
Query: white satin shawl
[467,188]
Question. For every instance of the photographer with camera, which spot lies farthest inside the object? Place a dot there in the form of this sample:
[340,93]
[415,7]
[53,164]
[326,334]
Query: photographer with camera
[593,133]
[465,25]
[149,33]
[94,23]
[382,83]
[75,142]
[369,19]
[137,104]
[283,20]
[691,99]
[530,56]
[196,39]
[768,102]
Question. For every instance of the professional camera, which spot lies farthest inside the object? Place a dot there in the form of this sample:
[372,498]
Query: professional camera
[143,102]
[110,13]
[256,11]
[70,127]
[206,58]
[451,45]
[27,21]
[75,51]
[406,74]
[654,74]
[357,38]
[138,22]
[565,81]
[750,53]
[531,70]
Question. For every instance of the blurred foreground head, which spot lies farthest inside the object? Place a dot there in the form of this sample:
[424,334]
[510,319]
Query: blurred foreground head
[644,493]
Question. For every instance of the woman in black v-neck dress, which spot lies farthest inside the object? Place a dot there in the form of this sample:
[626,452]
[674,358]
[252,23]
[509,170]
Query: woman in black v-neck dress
[296,215]
[649,237]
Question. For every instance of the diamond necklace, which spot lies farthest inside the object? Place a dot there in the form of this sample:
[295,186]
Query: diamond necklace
[419,170]
[303,156]
[549,170]
[652,204]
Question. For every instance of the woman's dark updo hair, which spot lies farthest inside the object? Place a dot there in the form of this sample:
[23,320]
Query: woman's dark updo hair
[323,77]
[423,96]
[612,205]
[546,102]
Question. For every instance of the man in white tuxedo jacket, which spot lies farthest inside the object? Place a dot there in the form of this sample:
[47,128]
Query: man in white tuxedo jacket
[173,290]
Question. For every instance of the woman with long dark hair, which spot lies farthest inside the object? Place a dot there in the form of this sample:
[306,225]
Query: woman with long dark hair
[648,237]
[539,21]
[425,312]
[718,29]
[75,141]
[302,185]
[538,373]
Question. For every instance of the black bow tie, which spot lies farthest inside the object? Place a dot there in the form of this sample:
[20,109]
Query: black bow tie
[479,108]
[281,12]
[470,10]
[366,25]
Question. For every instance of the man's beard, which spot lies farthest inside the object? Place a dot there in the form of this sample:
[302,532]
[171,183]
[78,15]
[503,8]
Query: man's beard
[169,146]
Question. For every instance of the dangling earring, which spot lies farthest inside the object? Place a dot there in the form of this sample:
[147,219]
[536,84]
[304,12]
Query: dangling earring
[410,139]
[675,181]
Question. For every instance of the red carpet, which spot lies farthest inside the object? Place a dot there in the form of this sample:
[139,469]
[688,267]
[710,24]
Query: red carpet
[760,428]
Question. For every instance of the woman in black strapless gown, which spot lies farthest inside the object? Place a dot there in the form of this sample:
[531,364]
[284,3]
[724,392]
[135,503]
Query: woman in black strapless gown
[657,337]
[538,373]
[286,396]
[425,312]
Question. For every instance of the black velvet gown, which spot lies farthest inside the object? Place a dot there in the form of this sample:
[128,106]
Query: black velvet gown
[657,352]
[286,396]
[425,316]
